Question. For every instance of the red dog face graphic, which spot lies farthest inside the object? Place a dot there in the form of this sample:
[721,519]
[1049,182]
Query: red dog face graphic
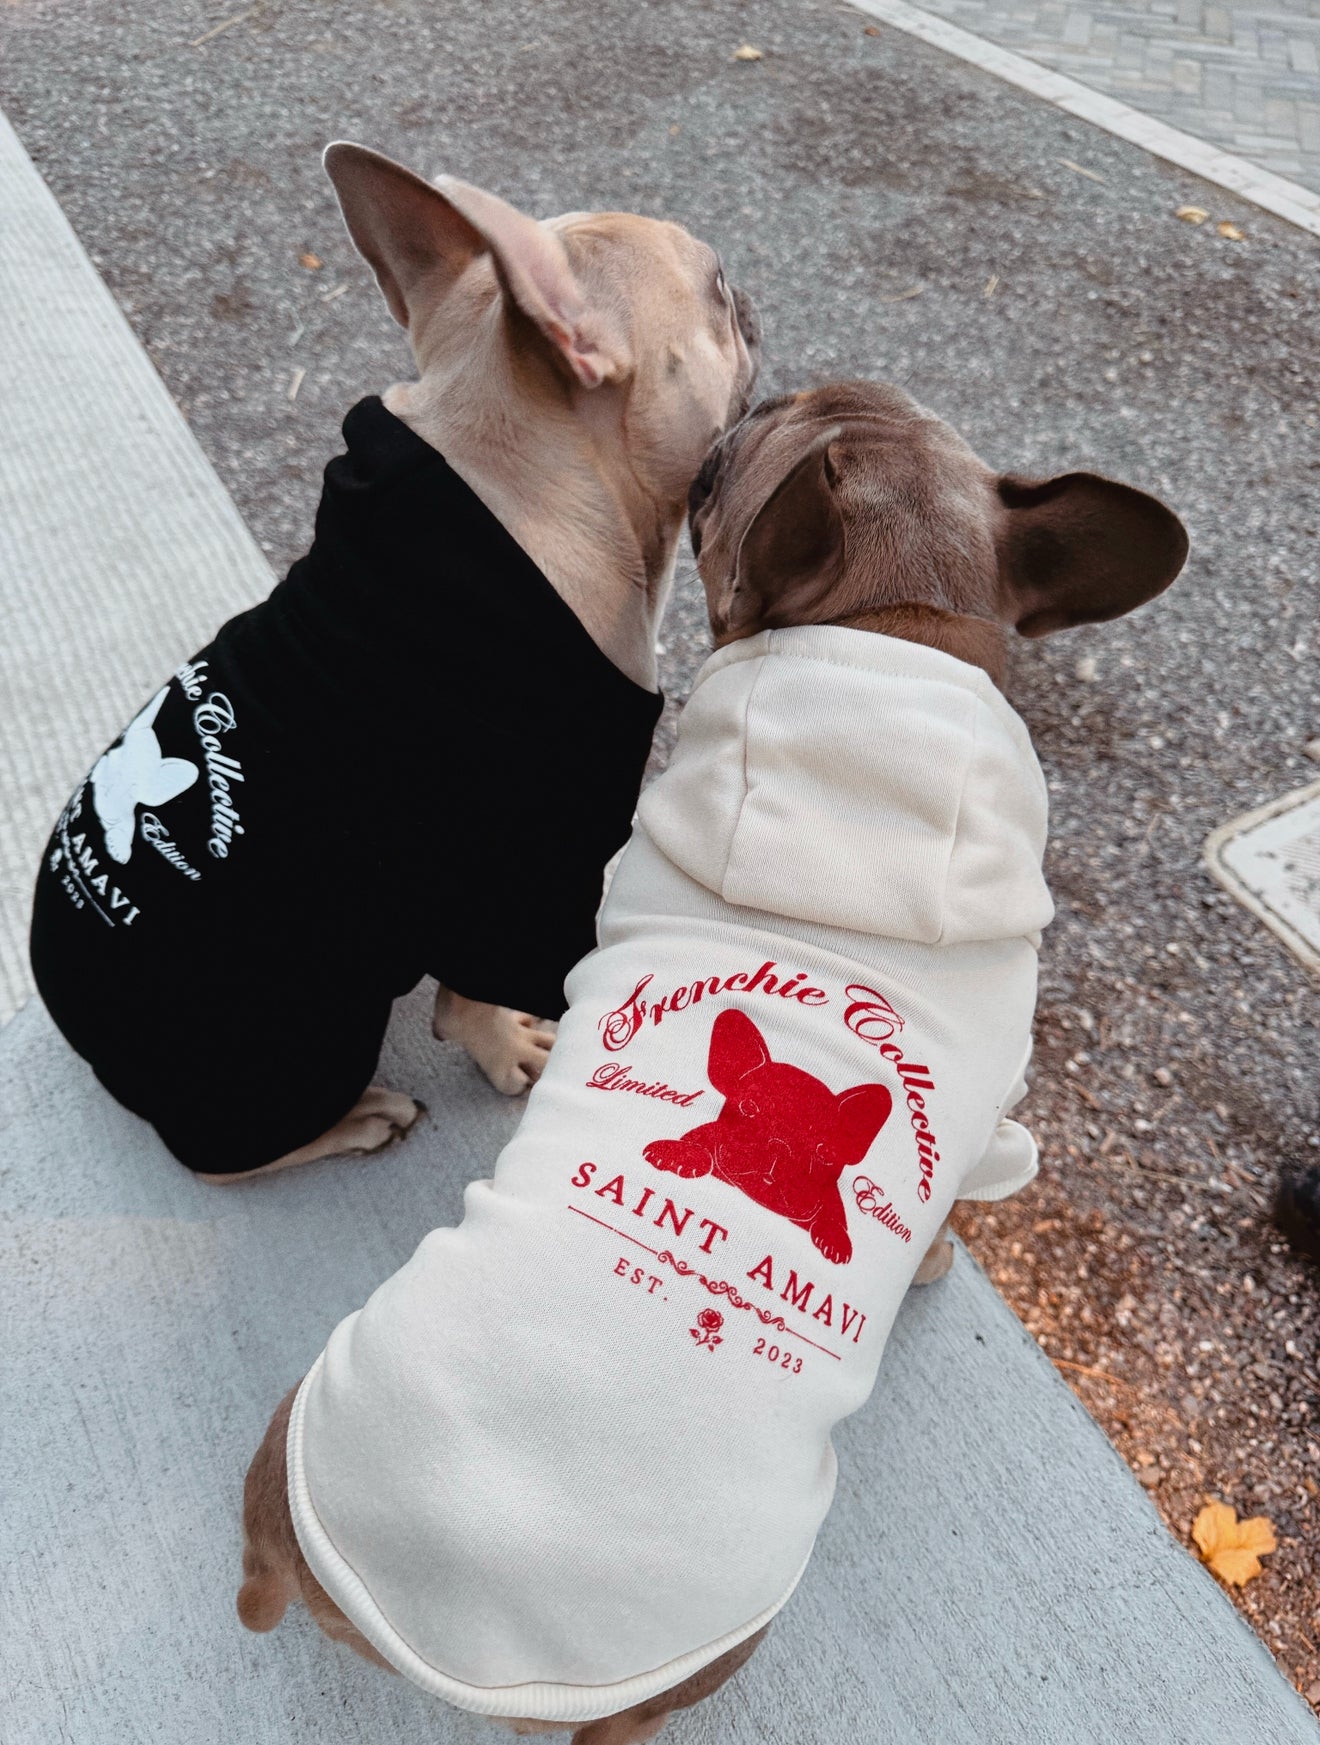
[782,1136]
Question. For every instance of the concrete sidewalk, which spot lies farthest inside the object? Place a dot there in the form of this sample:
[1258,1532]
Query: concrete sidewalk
[119,551]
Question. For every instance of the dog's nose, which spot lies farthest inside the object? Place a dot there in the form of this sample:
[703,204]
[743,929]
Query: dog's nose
[749,322]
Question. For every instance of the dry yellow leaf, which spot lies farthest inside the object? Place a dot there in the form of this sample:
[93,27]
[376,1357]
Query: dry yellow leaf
[312,262]
[1192,214]
[1231,231]
[1232,1548]
[747,53]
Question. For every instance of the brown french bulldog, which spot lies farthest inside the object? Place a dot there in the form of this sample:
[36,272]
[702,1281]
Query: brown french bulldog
[846,506]
[851,504]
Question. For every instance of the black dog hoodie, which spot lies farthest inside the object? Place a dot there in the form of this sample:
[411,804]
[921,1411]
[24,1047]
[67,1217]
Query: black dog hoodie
[410,759]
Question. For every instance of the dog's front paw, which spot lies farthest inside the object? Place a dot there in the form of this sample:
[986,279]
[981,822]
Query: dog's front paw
[511,1048]
[516,1052]
[834,1243]
[936,1261]
[677,1158]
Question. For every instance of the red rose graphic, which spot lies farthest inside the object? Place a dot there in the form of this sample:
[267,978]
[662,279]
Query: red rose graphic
[707,1330]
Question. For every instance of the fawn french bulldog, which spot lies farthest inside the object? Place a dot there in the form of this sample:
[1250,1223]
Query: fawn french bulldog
[350,786]
[566,1466]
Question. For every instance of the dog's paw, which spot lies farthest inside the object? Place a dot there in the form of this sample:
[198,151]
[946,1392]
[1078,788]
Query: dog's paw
[676,1158]
[376,1120]
[834,1244]
[511,1048]
[936,1261]
[515,1054]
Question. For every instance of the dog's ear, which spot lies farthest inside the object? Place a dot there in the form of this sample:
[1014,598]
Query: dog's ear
[1079,549]
[862,1112]
[737,1048]
[418,237]
[792,551]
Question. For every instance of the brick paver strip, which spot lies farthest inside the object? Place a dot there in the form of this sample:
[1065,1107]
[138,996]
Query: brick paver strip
[1289,199]
[1244,78]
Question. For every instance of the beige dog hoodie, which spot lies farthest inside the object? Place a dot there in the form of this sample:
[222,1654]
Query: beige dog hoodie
[579,1446]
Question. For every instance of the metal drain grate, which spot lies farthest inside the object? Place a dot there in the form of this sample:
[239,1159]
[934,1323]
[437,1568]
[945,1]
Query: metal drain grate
[1269,860]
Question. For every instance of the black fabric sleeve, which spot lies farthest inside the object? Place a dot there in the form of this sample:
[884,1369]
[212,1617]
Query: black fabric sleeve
[525,875]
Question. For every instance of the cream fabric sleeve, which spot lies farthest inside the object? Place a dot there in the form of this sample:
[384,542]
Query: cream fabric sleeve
[1011,1159]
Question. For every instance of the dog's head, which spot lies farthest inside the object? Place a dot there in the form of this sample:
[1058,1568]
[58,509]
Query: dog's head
[630,319]
[852,503]
[800,1122]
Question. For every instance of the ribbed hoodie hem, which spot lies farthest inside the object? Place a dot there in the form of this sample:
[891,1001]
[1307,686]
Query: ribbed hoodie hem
[538,1700]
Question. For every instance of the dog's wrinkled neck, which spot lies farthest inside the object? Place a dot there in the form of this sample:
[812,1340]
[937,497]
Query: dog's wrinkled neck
[555,480]
[981,642]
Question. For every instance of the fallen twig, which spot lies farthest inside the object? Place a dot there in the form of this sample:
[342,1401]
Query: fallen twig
[219,29]
[1081,170]
[1097,1374]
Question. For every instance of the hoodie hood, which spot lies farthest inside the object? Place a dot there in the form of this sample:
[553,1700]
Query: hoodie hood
[852,780]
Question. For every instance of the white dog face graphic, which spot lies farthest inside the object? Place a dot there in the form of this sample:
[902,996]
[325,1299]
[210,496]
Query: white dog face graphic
[132,774]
